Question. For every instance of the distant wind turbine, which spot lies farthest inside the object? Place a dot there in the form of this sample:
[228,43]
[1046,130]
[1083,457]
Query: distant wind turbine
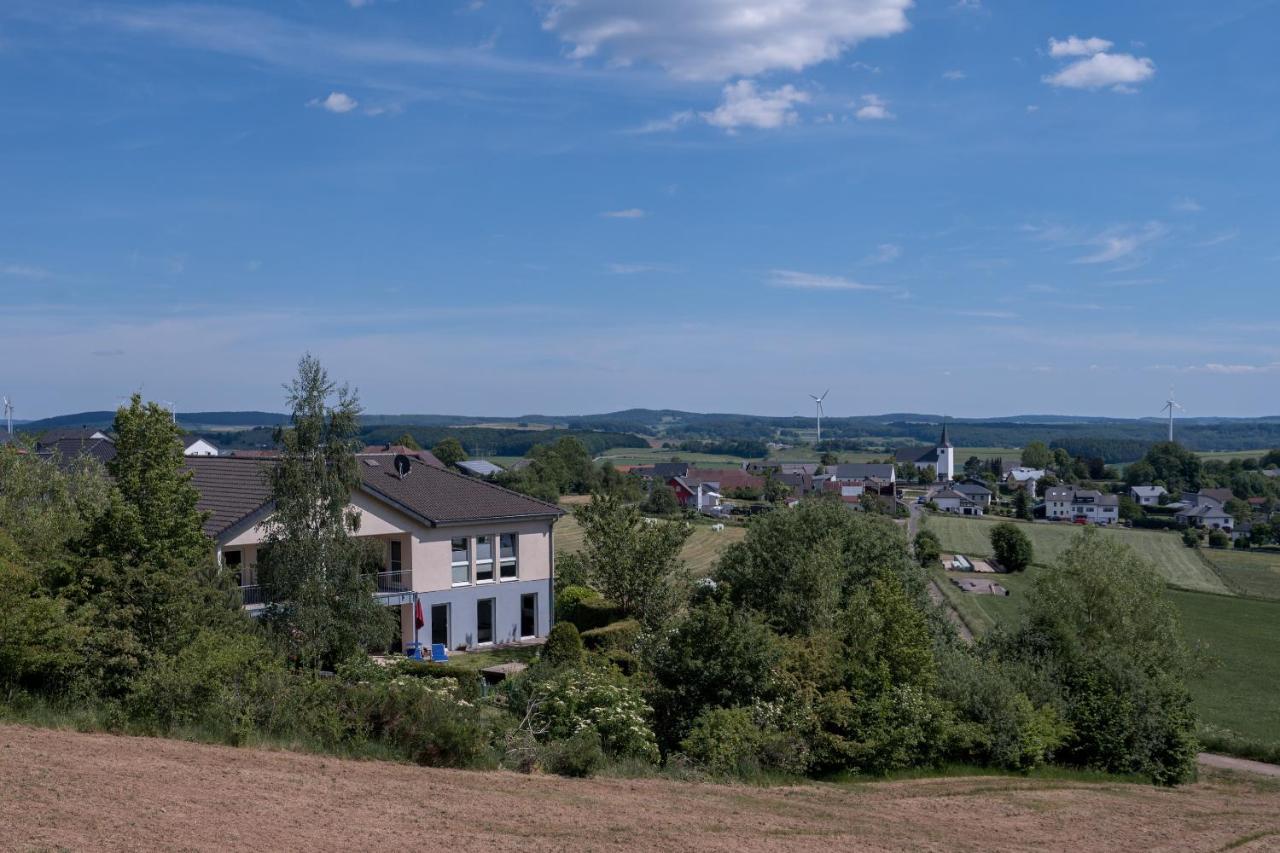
[1169,406]
[817,402]
[8,414]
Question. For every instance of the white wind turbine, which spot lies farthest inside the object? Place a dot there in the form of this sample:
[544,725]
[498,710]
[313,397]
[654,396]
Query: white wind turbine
[817,402]
[8,414]
[1169,406]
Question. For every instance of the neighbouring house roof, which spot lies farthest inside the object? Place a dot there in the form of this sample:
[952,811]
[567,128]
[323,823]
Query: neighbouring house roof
[691,485]
[950,494]
[235,488]
[50,436]
[479,467]
[864,471]
[1080,496]
[521,464]
[729,478]
[973,490]
[1271,472]
[1022,475]
[1219,495]
[665,470]
[189,441]
[67,449]
[439,496]
[1204,511]
[231,488]
[1148,491]
[425,455]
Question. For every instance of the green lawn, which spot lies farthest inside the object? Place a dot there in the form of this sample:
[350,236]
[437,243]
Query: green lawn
[1179,565]
[1254,573]
[1241,691]
[700,552]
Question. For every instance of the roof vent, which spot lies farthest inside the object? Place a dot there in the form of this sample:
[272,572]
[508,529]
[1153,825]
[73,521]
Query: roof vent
[403,465]
[372,463]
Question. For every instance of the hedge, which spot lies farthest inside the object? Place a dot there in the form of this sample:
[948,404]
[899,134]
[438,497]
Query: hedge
[620,635]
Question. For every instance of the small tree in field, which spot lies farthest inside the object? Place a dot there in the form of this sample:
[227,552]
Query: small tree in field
[662,500]
[1011,546]
[635,564]
[928,549]
[315,575]
[449,451]
[1022,505]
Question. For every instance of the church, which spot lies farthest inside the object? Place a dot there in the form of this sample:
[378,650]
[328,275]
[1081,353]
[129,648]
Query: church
[941,459]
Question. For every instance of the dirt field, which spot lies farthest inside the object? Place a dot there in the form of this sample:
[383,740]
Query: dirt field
[62,790]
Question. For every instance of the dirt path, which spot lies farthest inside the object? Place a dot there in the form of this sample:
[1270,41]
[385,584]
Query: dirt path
[1243,765]
[936,595]
[98,792]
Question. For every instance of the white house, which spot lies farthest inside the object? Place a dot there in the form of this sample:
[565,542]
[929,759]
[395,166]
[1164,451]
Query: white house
[1024,478]
[1071,504]
[194,446]
[1147,495]
[941,458]
[475,559]
[950,500]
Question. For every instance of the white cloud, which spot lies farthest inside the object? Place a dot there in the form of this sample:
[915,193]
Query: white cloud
[989,315]
[1119,71]
[797,280]
[954,74]
[1236,369]
[627,213]
[1218,240]
[874,108]
[336,102]
[716,39]
[885,253]
[665,125]
[1187,205]
[1075,46]
[637,269]
[746,106]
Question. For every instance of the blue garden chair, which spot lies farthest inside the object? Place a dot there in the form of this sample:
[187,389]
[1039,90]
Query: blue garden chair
[438,653]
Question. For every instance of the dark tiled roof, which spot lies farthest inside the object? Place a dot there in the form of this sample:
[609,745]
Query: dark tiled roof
[728,478]
[918,455]
[68,449]
[231,488]
[861,471]
[425,455]
[444,497]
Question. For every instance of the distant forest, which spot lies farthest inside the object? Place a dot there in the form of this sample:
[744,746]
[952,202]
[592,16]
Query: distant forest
[1111,439]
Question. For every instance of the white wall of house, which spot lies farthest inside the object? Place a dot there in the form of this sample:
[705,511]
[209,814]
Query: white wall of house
[200,447]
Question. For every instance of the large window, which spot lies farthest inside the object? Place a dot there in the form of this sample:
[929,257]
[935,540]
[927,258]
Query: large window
[393,557]
[529,615]
[461,547]
[484,559]
[508,546]
[484,621]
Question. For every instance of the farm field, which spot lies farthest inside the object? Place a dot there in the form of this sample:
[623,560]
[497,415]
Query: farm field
[1253,573]
[1241,689]
[642,456]
[63,790]
[1179,565]
[700,552]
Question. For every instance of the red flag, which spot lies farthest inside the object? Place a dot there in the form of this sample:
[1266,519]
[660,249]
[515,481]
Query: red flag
[418,621]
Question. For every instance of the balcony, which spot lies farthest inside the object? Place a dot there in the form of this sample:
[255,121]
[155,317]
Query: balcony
[384,584]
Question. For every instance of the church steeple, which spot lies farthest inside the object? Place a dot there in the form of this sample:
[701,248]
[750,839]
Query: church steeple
[945,442]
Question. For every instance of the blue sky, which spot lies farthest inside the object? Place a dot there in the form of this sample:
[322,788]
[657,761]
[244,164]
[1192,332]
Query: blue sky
[503,206]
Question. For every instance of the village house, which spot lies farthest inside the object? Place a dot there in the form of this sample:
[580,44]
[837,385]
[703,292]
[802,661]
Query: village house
[862,472]
[1147,495]
[953,501]
[1206,509]
[976,492]
[193,445]
[1024,478]
[692,493]
[477,559]
[1066,503]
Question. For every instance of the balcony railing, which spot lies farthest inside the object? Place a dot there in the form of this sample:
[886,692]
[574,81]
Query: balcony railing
[384,582]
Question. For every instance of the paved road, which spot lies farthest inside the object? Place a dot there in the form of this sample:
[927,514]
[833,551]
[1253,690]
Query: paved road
[935,592]
[1244,765]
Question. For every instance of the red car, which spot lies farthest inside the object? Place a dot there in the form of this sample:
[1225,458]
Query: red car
[1080,519]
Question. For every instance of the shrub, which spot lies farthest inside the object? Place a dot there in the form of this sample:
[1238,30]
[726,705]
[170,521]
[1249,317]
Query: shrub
[620,635]
[1011,546]
[563,646]
[468,683]
[576,699]
[585,608]
[579,755]
[725,741]
[1191,537]
[425,720]
[928,549]
[625,662]
[221,681]
[571,571]
[1218,539]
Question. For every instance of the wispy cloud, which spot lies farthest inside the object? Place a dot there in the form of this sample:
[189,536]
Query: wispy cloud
[675,121]
[885,253]
[25,271]
[954,74]
[625,213]
[1185,204]
[335,102]
[796,280]
[1235,369]
[1076,46]
[1218,240]
[637,269]
[989,315]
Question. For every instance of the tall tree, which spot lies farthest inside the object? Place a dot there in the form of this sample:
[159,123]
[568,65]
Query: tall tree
[315,575]
[1036,455]
[406,439]
[635,564]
